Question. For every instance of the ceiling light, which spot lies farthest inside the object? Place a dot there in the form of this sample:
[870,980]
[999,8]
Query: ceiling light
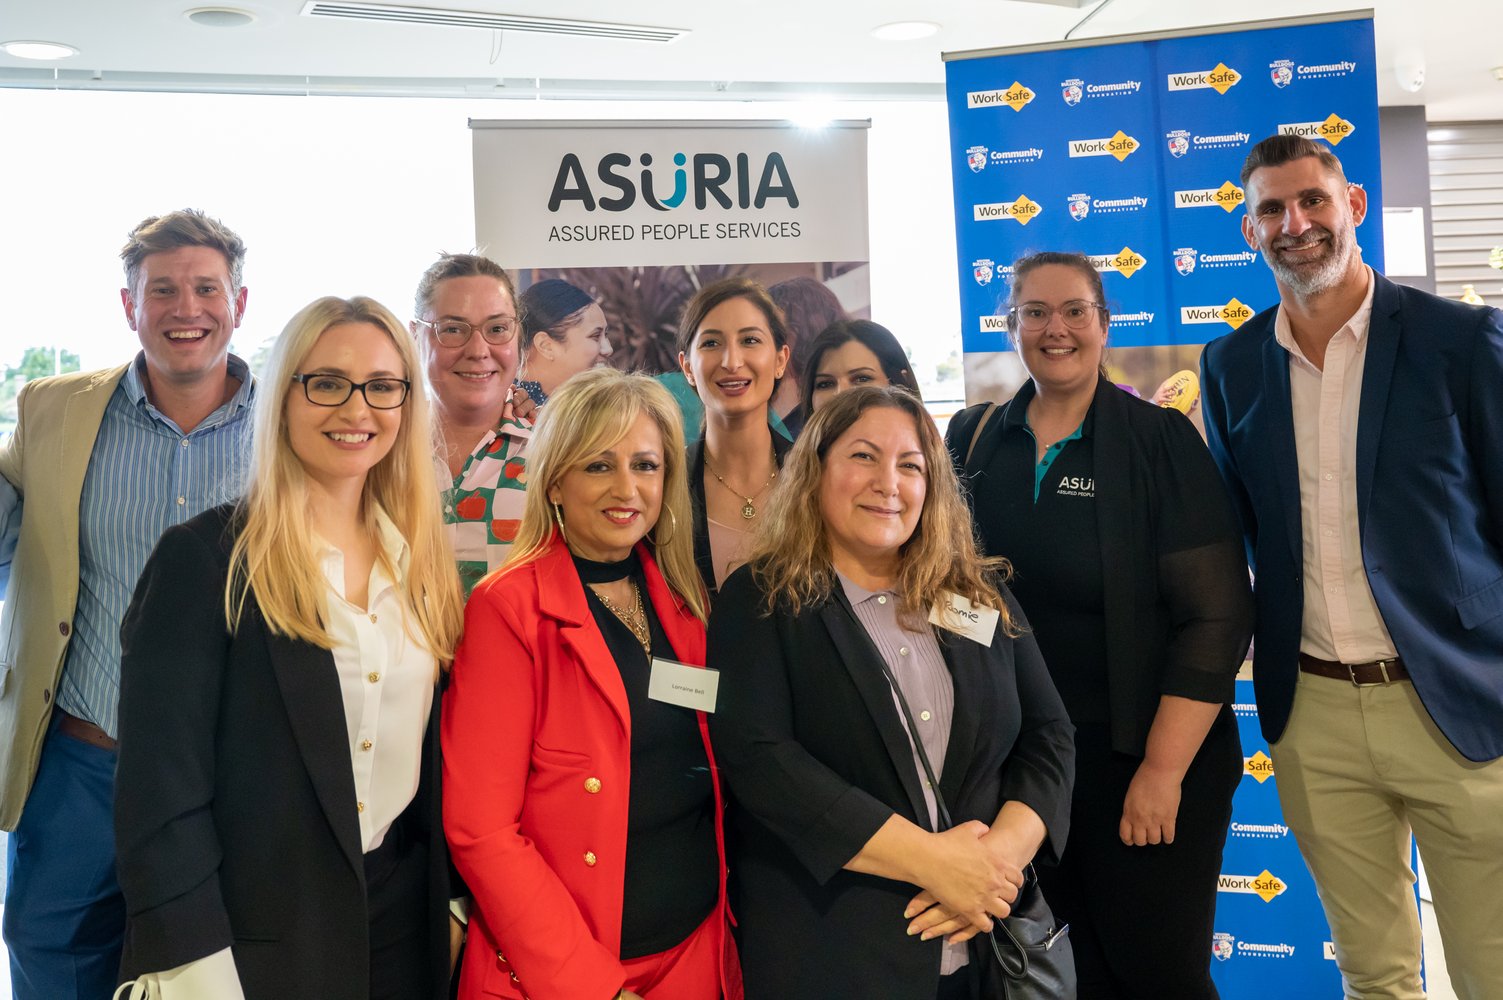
[360,11]
[220,17]
[904,31]
[37,50]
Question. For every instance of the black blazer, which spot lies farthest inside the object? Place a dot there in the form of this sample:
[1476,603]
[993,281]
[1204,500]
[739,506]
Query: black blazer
[1178,602]
[817,759]
[235,820]
[696,462]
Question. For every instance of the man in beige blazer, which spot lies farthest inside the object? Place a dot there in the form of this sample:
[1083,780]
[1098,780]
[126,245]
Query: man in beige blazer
[100,464]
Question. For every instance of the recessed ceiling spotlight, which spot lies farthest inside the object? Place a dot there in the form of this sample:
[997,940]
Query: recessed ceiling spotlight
[25,49]
[904,31]
[219,17]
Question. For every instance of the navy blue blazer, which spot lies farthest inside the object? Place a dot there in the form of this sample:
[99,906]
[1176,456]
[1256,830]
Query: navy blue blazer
[1429,500]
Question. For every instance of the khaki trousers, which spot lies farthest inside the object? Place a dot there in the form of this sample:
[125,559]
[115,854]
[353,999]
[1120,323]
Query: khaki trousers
[1358,768]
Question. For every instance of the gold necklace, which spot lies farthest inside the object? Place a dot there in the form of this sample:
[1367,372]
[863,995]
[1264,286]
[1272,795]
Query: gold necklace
[749,508]
[635,620]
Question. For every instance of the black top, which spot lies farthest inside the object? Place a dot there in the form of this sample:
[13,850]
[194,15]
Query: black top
[1043,517]
[696,463]
[672,864]
[1176,602]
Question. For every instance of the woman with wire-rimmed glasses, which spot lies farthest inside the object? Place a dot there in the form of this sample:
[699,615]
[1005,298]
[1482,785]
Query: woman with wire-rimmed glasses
[466,325]
[277,814]
[1130,568]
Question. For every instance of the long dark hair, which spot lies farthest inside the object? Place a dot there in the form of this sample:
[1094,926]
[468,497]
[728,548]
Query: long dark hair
[874,337]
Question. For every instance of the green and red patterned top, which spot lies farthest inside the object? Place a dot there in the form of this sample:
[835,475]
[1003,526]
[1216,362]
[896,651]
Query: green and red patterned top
[483,504]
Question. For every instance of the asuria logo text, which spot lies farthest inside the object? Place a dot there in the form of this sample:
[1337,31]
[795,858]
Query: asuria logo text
[728,181]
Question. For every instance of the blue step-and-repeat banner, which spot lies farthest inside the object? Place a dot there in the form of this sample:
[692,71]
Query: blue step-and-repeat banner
[1129,150]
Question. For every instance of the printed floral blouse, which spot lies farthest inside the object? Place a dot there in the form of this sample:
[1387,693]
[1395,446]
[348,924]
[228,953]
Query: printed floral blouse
[483,504]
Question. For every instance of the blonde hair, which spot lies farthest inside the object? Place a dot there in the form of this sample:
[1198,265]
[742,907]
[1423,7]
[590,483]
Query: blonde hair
[791,556]
[273,557]
[589,413]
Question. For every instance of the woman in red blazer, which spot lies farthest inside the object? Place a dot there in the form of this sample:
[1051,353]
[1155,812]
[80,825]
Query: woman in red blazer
[584,813]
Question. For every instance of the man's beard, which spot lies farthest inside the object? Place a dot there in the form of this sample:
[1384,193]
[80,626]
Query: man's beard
[1317,274]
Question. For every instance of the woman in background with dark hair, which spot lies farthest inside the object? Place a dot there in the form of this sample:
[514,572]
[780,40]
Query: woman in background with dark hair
[1130,567]
[733,349]
[852,353]
[808,307]
[563,334]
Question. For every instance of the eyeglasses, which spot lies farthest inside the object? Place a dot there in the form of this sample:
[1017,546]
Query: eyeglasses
[1034,316]
[457,333]
[333,390]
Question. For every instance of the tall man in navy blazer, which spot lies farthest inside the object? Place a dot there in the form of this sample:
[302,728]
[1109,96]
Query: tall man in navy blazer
[1359,426]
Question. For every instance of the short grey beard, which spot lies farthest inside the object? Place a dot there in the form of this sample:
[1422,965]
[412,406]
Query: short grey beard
[1323,278]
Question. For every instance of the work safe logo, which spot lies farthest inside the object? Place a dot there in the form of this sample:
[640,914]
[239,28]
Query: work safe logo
[1233,314]
[1126,262]
[1228,196]
[1022,211]
[1265,886]
[1259,765]
[1221,79]
[713,173]
[1120,145]
[1332,130]
[1016,97]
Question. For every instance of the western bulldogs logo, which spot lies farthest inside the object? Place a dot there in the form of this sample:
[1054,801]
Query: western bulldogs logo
[1281,72]
[1071,93]
[1179,143]
[982,271]
[975,158]
[1080,206]
[1184,260]
[1221,946]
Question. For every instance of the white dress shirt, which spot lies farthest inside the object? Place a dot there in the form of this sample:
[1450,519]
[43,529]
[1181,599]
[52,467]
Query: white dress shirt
[1341,619]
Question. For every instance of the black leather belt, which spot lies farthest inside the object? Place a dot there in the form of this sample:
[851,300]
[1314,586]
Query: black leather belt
[1376,672]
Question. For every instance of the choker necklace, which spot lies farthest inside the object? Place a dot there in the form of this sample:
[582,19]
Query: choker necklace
[635,619]
[749,507]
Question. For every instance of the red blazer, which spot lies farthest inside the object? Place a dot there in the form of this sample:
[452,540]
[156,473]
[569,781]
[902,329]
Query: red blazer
[537,778]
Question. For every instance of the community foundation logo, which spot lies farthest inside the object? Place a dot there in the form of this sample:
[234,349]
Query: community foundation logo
[1259,831]
[1293,73]
[1184,260]
[1187,259]
[1233,314]
[1075,89]
[975,158]
[1080,206]
[1259,765]
[1221,79]
[1227,197]
[1016,97]
[1281,71]
[1072,91]
[1126,262]
[1120,145]
[1137,319]
[1181,141]
[1022,211]
[1265,886]
[982,270]
[1332,130]
[1221,946]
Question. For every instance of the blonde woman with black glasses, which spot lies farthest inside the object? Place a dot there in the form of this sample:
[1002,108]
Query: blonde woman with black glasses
[277,814]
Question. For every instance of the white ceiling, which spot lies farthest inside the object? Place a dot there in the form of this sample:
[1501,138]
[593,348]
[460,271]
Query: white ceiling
[774,48]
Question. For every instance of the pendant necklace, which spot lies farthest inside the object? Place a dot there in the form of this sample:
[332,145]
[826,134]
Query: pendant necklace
[749,506]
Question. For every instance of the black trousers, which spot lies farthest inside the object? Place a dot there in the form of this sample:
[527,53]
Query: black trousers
[1141,917]
[396,894]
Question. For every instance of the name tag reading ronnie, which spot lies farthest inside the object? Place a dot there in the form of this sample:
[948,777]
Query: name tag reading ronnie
[685,686]
[974,621]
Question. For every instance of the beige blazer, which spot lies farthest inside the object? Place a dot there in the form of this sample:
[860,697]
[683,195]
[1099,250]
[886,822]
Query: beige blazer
[45,460]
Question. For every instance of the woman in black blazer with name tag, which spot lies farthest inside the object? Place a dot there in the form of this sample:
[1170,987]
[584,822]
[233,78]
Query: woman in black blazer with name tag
[843,887]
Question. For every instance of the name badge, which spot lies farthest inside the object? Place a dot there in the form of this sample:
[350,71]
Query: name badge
[976,622]
[688,687]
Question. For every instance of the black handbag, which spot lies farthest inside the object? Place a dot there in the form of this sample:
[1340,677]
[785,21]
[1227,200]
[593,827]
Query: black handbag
[1034,960]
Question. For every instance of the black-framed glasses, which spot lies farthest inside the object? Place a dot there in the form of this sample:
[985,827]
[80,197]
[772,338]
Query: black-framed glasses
[457,333]
[1034,316]
[333,390]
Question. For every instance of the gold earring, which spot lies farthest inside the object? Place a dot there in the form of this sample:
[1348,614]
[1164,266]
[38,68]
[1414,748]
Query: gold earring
[672,527]
[558,516]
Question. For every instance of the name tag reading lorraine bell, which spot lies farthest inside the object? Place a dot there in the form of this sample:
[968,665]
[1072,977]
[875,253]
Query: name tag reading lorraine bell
[685,686]
[974,621]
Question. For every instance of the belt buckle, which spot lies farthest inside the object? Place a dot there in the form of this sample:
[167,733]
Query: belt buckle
[1382,666]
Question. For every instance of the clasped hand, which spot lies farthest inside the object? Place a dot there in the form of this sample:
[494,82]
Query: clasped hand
[971,878]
